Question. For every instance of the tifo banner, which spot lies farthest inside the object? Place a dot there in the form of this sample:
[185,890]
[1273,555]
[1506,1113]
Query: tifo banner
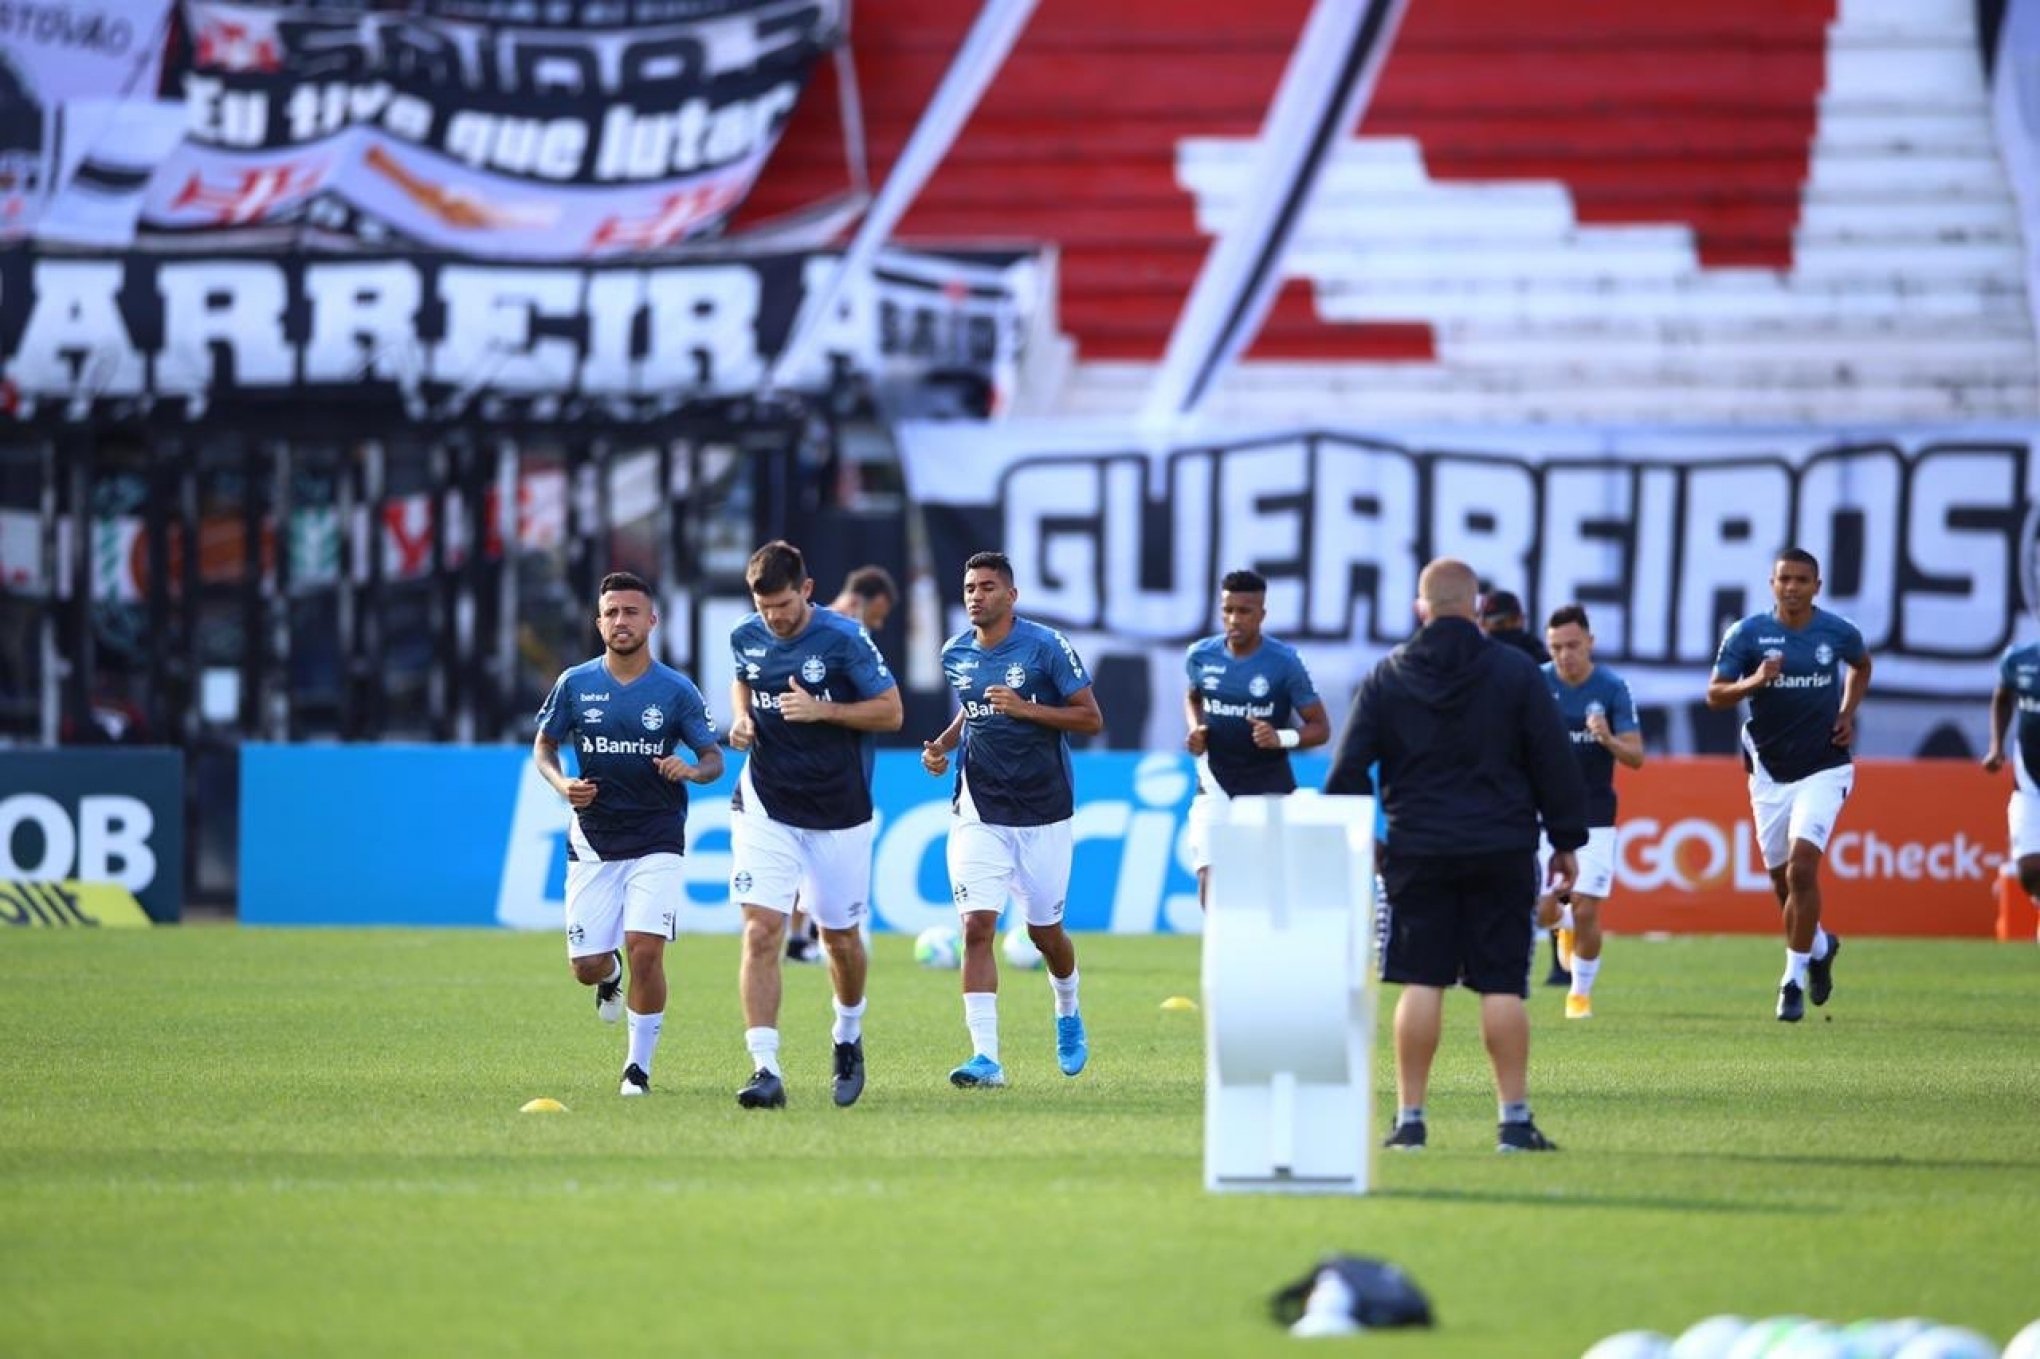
[110,818]
[563,129]
[1666,536]
[1917,852]
[435,337]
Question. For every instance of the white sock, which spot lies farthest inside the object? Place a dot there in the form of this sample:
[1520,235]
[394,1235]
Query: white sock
[615,969]
[849,1025]
[1583,970]
[763,1045]
[1821,943]
[1065,989]
[644,1037]
[1565,920]
[981,1017]
[1795,967]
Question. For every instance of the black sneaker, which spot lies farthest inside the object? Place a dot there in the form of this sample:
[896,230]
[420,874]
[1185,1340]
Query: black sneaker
[1522,1137]
[1557,976]
[1820,973]
[609,995]
[849,1081]
[801,949]
[1791,1003]
[765,1091]
[635,1081]
[1406,1137]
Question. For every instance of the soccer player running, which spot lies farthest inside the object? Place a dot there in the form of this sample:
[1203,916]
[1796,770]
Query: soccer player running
[810,691]
[626,715]
[1022,691]
[1600,717]
[1249,704]
[1796,749]
[867,597]
[2018,689]
[1472,755]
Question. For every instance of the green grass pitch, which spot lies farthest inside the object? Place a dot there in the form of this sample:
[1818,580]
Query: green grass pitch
[239,1142]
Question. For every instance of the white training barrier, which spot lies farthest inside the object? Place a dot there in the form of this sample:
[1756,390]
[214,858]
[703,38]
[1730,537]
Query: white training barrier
[1289,996]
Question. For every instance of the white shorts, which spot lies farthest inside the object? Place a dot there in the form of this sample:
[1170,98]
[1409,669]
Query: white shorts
[604,899]
[1207,809]
[2024,817]
[1596,861]
[827,871]
[1805,809]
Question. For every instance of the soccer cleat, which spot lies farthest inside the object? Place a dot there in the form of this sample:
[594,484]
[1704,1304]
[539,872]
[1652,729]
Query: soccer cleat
[1522,1136]
[764,1091]
[1820,973]
[801,949]
[1791,1003]
[1564,939]
[635,1081]
[979,1073]
[1579,1007]
[1406,1137]
[1072,1049]
[609,995]
[849,1078]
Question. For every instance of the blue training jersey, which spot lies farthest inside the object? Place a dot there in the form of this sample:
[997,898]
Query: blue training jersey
[617,730]
[1271,684]
[814,775]
[2019,672]
[1017,772]
[1604,692]
[1792,718]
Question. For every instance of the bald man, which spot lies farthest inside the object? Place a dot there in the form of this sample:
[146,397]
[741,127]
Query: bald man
[1474,760]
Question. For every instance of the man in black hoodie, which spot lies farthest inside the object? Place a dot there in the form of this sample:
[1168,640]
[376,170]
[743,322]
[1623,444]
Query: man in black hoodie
[1473,756]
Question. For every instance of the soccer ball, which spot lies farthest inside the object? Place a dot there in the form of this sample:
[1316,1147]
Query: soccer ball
[1709,1338]
[2026,1344]
[1019,948]
[938,947]
[1631,1345]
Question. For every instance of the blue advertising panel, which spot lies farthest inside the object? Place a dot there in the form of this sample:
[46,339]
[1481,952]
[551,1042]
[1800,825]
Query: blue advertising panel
[111,817]
[442,835]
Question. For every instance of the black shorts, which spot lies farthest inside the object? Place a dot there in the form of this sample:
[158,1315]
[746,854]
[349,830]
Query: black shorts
[1466,918]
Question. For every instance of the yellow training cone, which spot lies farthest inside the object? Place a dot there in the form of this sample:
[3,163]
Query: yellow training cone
[1179,1003]
[544,1104]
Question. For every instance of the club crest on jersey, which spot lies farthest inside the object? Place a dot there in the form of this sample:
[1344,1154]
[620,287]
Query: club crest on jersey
[740,883]
[653,718]
[1258,686]
[1824,654]
[813,671]
[1016,675]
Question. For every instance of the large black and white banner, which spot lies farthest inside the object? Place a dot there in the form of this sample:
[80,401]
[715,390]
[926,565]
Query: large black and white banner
[1925,535]
[434,337]
[554,129]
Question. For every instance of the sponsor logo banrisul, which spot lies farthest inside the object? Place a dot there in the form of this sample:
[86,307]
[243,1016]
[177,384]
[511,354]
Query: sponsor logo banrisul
[611,745]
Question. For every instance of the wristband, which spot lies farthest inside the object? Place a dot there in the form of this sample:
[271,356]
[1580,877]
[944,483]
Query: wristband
[1289,738]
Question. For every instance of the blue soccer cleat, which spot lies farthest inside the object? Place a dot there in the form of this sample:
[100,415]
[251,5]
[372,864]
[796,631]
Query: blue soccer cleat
[979,1073]
[1072,1050]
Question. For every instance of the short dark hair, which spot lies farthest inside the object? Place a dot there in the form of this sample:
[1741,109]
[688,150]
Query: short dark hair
[871,582]
[1802,557]
[774,567]
[1244,583]
[623,580]
[1567,613]
[990,561]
